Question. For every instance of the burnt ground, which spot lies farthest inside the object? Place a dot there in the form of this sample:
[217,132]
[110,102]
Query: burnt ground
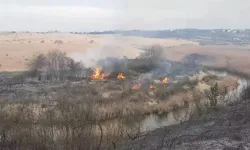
[227,128]
[195,58]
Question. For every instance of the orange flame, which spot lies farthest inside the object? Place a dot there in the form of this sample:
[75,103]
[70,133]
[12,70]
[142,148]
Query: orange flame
[136,86]
[121,76]
[152,86]
[164,81]
[98,74]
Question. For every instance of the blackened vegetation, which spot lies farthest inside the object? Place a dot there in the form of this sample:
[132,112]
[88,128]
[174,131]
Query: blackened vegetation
[141,65]
[197,59]
[246,93]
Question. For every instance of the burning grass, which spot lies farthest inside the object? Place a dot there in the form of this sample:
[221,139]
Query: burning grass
[136,86]
[164,81]
[121,76]
[98,74]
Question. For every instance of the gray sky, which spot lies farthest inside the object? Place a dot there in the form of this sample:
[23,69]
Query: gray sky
[91,15]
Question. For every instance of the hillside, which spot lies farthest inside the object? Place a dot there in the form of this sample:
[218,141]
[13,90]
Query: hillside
[202,36]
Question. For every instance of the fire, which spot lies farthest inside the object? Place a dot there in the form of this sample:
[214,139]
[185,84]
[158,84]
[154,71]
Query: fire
[164,81]
[152,86]
[136,86]
[98,74]
[121,76]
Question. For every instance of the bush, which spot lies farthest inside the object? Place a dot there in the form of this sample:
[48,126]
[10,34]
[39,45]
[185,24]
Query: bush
[213,94]
[141,65]
[55,65]
[148,60]
[155,53]
[164,92]
[246,93]
[209,77]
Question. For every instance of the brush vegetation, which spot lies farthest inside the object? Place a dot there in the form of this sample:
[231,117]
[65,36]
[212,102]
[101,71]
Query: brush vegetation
[86,114]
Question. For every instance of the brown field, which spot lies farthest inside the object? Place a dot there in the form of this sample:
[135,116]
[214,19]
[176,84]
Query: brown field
[233,57]
[16,50]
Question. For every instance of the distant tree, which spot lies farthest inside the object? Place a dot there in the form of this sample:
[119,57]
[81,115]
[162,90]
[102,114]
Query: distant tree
[154,53]
[76,69]
[58,42]
[38,63]
[55,65]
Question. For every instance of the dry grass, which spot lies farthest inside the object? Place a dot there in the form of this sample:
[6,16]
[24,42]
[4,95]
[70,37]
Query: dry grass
[81,116]
[231,57]
[107,45]
[68,124]
[234,57]
[60,126]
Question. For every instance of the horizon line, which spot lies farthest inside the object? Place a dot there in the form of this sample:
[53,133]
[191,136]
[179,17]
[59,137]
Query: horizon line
[61,31]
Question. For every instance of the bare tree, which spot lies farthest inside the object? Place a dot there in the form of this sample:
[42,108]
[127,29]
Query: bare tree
[154,52]
[55,65]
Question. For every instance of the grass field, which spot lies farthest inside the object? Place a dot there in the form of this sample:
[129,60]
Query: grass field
[17,49]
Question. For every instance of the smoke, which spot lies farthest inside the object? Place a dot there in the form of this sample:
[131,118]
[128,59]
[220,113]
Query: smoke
[109,47]
[113,60]
[93,55]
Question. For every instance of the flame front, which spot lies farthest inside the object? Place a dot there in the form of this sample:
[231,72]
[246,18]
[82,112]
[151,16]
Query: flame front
[121,76]
[98,74]
[136,86]
[164,81]
[152,86]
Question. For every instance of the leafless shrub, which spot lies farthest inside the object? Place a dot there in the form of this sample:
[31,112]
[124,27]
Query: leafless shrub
[163,92]
[73,122]
[212,95]
[246,93]
[196,59]
[149,59]
[141,65]
[55,65]
[209,77]
[154,52]
[58,42]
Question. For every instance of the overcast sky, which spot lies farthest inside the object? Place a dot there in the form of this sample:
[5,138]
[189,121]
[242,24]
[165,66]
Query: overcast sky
[95,15]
